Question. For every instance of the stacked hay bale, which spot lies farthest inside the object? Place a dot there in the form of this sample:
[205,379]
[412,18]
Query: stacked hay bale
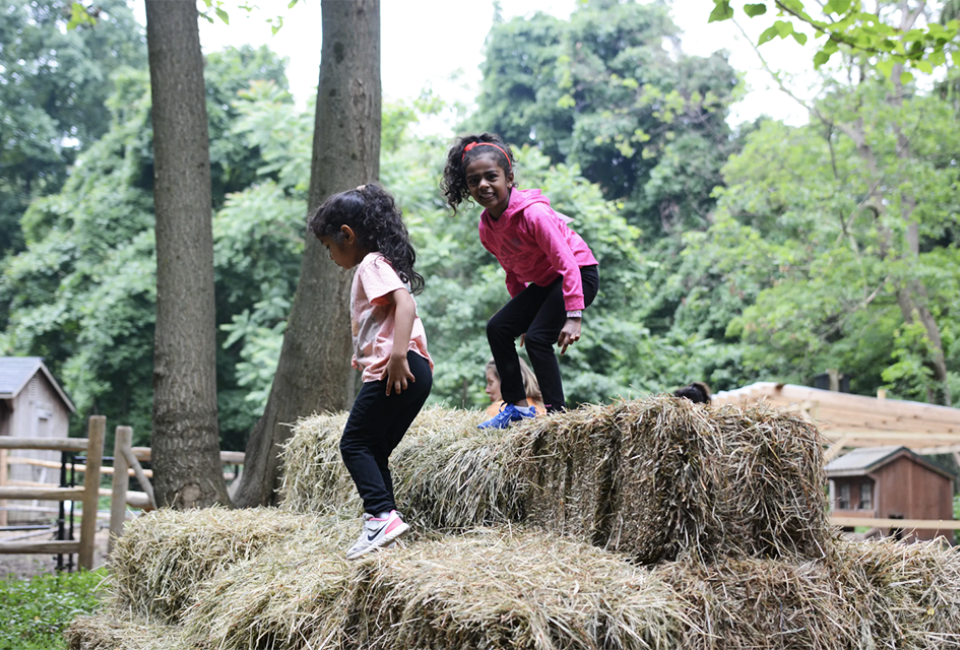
[653,478]
[647,524]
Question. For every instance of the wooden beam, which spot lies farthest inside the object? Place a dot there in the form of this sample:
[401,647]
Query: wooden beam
[834,449]
[91,490]
[121,481]
[46,444]
[138,470]
[40,548]
[52,464]
[41,494]
[905,524]
[226,457]
[3,483]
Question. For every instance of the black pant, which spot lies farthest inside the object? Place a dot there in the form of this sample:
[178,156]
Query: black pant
[540,313]
[375,427]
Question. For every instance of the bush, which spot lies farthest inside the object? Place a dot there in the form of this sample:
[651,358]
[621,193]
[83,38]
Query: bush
[35,612]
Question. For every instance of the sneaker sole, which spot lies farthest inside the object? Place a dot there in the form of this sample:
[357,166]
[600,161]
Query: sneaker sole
[386,539]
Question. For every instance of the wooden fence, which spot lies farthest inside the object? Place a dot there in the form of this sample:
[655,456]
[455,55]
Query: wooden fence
[88,495]
[126,463]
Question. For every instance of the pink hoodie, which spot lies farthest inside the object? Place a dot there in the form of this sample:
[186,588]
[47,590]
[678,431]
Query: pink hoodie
[534,245]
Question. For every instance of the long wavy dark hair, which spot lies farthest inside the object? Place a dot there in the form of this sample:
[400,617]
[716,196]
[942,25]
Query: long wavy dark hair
[373,215]
[454,183]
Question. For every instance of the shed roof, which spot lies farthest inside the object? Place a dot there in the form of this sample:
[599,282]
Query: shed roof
[15,372]
[869,459]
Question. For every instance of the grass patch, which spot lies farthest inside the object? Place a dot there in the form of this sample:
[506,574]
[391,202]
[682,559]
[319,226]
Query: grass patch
[36,611]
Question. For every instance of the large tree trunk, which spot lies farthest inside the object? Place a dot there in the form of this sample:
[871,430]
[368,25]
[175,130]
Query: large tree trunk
[186,444]
[314,373]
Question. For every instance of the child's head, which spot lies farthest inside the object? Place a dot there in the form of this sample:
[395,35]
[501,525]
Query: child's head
[697,392]
[490,163]
[366,220]
[530,385]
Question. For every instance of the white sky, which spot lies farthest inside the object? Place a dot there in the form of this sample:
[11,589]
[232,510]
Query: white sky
[439,44]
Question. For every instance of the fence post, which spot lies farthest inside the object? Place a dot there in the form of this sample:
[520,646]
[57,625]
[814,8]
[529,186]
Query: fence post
[3,483]
[91,490]
[121,481]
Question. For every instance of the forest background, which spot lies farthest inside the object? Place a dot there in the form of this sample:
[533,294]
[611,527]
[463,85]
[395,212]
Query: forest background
[729,253]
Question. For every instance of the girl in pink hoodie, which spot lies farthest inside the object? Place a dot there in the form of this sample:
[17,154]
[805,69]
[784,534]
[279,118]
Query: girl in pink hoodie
[552,275]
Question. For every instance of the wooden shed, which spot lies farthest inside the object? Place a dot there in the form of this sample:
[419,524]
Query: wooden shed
[891,482]
[32,405]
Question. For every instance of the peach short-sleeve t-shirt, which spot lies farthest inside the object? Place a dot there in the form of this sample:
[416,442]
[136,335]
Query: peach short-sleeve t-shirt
[373,317]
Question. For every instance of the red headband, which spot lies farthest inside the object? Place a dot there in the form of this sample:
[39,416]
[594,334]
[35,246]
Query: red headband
[489,144]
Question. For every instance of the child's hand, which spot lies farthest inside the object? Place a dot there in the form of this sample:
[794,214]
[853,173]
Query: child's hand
[397,373]
[569,335]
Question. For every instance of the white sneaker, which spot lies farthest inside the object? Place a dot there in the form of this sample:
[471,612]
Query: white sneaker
[377,532]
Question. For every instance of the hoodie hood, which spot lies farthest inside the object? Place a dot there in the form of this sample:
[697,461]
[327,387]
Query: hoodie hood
[519,200]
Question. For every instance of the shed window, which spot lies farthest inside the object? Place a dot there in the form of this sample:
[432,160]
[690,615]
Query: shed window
[843,499]
[866,496]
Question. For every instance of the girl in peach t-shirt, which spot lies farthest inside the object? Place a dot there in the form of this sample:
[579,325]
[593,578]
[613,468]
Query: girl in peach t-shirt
[362,229]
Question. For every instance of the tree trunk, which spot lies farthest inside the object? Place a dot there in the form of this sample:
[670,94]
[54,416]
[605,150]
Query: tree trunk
[186,444]
[314,372]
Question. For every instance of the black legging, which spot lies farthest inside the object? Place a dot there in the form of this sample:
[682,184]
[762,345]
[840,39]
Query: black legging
[375,427]
[540,313]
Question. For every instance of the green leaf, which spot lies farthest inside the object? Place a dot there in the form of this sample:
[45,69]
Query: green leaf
[223,15]
[820,58]
[767,35]
[800,38]
[836,7]
[754,10]
[885,67]
[905,78]
[924,66]
[293,3]
[721,11]
[783,28]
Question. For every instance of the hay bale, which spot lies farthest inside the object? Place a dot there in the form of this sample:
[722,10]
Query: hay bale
[287,598]
[113,631]
[655,478]
[519,591]
[752,603]
[774,484]
[667,490]
[314,478]
[447,474]
[163,557]
[910,592]
[568,463]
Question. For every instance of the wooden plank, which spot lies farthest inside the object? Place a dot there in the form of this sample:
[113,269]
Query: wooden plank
[40,548]
[52,464]
[834,449]
[905,524]
[121,481]
[41,494]
[47,444]
[938,449]
[144,454]
[3,483]
[138,470]
[91,491]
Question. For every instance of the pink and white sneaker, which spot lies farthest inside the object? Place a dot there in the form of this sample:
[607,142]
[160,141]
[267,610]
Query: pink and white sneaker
[377,532]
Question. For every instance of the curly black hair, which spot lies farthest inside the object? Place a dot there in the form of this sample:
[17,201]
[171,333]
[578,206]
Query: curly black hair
[697,392]
[454,183]
[373,215]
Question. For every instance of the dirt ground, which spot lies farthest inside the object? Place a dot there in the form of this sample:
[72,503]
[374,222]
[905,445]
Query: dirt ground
[26,566]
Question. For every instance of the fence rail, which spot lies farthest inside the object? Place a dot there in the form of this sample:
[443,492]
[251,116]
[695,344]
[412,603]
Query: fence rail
[88,495]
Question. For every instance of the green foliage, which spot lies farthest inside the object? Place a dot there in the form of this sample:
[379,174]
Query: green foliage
[884,32]
[83,293]
[601,91]
[53,87]
[36,611]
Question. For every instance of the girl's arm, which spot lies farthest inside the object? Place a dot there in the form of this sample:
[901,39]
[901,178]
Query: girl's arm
[397,372]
